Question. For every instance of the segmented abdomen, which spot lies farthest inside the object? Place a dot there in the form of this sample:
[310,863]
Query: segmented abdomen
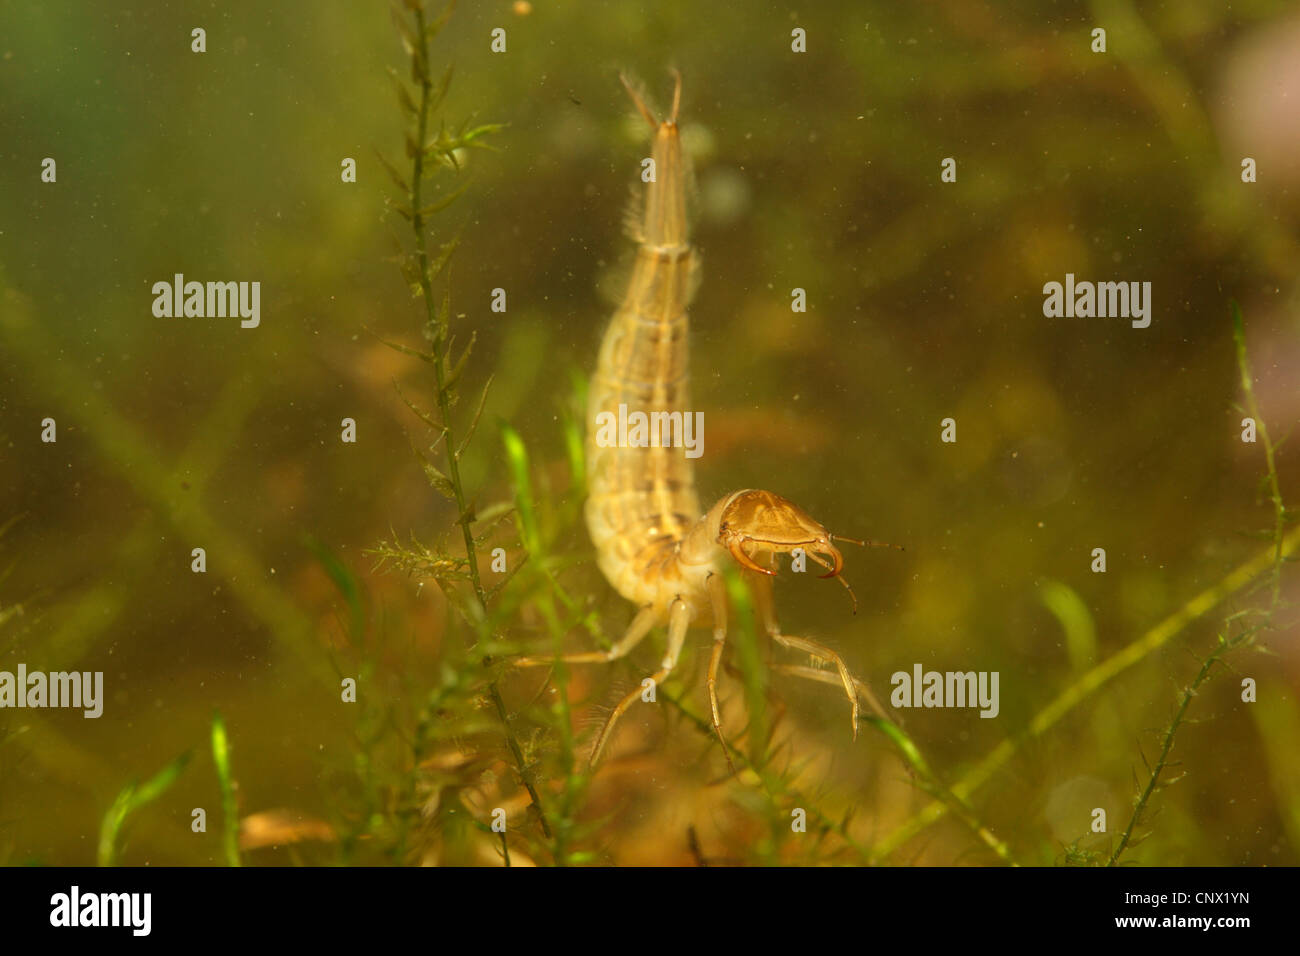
[642,500]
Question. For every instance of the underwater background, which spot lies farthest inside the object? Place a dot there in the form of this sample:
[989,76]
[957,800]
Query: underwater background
[818,170]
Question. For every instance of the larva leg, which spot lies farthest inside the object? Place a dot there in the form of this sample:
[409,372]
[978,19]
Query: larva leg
[826,677]
[822,652]
[718,604]
[679,619]
[636,631]
[760,586]
[767,613]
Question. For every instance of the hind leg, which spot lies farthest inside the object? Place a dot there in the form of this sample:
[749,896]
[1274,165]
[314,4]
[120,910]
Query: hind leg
[826,677]
[641,625]
[679,619]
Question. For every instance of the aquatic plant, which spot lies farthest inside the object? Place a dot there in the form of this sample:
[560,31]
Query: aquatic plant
[457,573]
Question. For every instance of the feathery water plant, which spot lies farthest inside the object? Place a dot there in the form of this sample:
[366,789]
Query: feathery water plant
[428,155]
[1228,640]
[1266,564]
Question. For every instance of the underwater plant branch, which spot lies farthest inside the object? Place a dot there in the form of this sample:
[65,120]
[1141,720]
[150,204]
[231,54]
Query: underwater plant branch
[1225,644]
[1252,408]
[772,784]
[1093,680]
[930,783]
[1167,744]
[912,756]
[537,548]
[438,318]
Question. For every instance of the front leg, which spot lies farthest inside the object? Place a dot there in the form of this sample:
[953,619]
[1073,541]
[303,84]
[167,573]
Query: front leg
[767,614]
[822,652]
[718,605]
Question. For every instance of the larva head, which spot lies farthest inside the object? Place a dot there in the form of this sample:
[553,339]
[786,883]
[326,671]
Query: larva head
[754,521]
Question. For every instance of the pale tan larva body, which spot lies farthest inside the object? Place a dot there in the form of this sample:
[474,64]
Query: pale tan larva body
[642,501]
[643,512]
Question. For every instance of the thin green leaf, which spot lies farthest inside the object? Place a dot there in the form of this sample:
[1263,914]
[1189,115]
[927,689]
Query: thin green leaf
[229,808]
[404,29]
[436,267]
[403,95]
[393,174]
[421,414]
[472,137]
[439,90]
[407,350]
[517,461]
[442,202]
[440,482]
[344,580]
[455,372]
[131,798]
[435,26]
[473,425]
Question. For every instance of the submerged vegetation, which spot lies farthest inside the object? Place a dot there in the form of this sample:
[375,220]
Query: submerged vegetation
[770,768]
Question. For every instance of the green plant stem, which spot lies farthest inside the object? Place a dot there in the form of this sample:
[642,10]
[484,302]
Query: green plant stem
[1225,644]
[229,808]
[1155,638]
[450,444]
[931,783]
[911,754]
[773,784]
[1252,407]
[1167,745]
[537,549]
[426,290]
